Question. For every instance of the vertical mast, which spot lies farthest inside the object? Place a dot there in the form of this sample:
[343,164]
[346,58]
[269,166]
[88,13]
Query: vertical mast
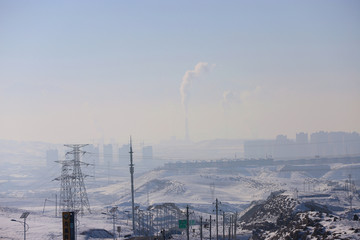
[132,186]
[217,219]
[187,222]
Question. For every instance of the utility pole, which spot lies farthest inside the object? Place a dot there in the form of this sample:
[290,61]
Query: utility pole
[217,218]
[212,191]
[114,235]
[210,227]
[201,233]
[113,213]
[56,205]
[132,186]
[140,230]
[163,233]
[304,186]
[350,192]
[350,185]
[187,223]
[230,227]
[24,229]
[235,222]
[223,225]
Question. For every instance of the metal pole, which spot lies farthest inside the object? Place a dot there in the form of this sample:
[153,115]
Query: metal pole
[75,223]
[163,232]
[146,223]
[217,219]
[132,186]
[231,226]
[139,222]
[210,227]
[55,205]
[187,222]
[235,223]
[44,206]
[24,228]
[114,225]
[223,225]
[201,233]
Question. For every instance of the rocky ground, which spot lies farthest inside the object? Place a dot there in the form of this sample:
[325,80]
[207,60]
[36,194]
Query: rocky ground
[283,217]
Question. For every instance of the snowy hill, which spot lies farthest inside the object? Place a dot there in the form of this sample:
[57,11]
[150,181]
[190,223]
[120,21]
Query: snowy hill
[282,217]
[241,186]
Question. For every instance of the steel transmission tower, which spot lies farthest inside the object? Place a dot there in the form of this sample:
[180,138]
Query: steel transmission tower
[65,203]
[73,196]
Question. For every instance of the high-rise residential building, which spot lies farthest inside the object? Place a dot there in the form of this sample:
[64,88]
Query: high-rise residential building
[302,138]
[319,143]
[108,154]
[302,145]
[336,143]
[92,154]
[284,147]
[352,143]
[124,155]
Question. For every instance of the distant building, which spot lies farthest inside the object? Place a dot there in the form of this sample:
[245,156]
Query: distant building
[302,145]
[124,155]
[108,154]
[259,149]
[284,147]
[92,154]
[302,138]
[352,143]
[336,143]
[321,144]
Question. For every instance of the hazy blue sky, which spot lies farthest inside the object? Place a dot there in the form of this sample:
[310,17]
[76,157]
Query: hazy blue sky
[74,71]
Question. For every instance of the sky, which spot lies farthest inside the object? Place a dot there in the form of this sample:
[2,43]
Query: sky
[80,71]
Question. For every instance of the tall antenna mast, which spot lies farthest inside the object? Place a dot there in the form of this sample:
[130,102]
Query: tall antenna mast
[132,185]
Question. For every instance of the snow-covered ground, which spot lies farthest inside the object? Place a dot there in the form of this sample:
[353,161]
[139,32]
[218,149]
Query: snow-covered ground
[32,188]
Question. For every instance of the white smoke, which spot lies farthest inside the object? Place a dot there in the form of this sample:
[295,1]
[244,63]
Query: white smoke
[188,78]
[233,97]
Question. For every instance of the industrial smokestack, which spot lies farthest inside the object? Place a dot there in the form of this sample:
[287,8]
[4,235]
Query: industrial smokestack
[189,76]
[187,129]
[187,79]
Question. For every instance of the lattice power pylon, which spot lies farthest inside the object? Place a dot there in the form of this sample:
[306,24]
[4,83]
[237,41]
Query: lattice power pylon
[65,203]
[73,196]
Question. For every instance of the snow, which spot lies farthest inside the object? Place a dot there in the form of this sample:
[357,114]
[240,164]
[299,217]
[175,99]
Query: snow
[25,188]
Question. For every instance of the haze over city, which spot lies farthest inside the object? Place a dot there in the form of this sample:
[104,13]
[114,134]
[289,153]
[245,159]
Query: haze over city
[75,71]
[179,120]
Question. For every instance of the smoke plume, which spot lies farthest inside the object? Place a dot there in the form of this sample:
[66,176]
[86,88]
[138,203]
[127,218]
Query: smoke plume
[188,78]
